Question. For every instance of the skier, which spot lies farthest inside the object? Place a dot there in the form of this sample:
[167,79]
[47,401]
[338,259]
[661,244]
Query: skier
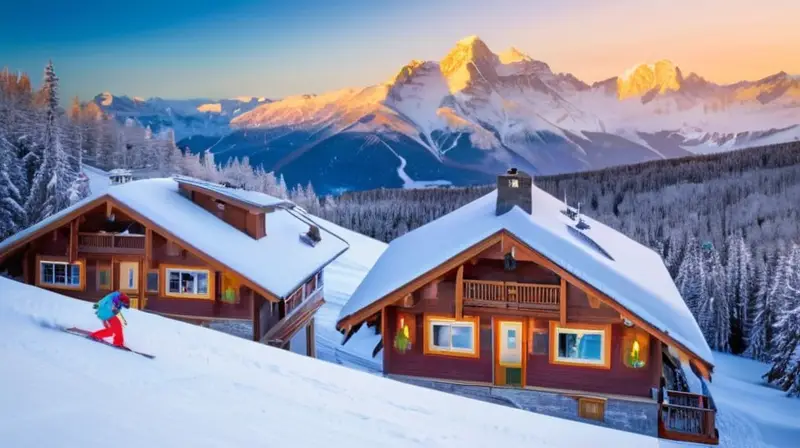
[107,310]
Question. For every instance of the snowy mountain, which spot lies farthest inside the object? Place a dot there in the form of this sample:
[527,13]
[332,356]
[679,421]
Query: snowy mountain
[462,119]
[187,117]
[206,388]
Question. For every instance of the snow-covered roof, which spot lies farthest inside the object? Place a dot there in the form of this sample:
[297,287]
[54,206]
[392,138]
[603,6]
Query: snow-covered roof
[278,262]
[628,272]
[208,389]
[252,198]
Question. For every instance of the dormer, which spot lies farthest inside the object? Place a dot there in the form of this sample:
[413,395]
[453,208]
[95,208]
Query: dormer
[245,210]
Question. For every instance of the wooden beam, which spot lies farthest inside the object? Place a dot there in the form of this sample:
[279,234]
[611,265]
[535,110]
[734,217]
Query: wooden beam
[420,281]
[562,302]
[26,272]
[73,241]
[255,314]
[384,338]
[148,248]
[460,292]
[109,209]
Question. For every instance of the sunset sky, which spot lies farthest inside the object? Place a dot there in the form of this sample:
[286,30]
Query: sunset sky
[213,48]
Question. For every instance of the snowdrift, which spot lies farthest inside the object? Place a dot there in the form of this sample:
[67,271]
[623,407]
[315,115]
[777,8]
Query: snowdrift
[207,388]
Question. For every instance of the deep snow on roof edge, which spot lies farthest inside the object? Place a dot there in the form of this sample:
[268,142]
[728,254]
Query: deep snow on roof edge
[207,388]
[635,276]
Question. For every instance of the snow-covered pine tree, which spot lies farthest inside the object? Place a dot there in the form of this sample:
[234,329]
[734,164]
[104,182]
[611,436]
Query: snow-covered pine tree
[759,342]
[739,284]
[715,318]
[786,340]
[49,189]
[691,277]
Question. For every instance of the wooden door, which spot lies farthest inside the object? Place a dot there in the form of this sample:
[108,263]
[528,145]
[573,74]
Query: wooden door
[129,276]
[509,352]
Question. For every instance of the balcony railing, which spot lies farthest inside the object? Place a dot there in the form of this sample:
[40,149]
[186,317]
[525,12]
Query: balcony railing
[688,417]
[110,243]
[513,295]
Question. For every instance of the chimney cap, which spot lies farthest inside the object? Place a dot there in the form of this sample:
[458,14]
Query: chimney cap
[512,171]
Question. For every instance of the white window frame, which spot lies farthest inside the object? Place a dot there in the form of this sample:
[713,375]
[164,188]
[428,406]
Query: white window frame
[433,322]
[68,274]
[180,271]
[580,333]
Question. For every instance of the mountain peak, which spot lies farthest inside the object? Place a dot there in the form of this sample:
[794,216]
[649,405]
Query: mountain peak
[513,55]
[470,59]
[470,40]
[659,77]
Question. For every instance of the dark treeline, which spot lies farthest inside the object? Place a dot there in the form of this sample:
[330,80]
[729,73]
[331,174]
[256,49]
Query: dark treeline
[727,226]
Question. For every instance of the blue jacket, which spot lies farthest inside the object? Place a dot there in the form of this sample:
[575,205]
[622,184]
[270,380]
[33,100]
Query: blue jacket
[105,307]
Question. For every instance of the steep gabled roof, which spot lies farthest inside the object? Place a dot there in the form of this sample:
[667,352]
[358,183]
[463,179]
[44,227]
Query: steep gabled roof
[627,272]
[279,263]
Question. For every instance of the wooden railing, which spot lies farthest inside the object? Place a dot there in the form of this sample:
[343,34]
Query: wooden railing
[688,417]
[110,243]
[487,293]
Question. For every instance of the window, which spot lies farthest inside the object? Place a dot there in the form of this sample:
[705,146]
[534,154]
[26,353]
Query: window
[587,345]
[60,274]
[183,282]
[152,281]
[538,336]
[404,334]
[103,277]
[635,347]
[513,183]
[452,337]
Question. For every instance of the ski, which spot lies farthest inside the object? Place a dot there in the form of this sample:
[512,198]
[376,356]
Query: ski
[84,333]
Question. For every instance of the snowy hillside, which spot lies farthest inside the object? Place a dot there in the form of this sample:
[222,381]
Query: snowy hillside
[462,119]
[210,389]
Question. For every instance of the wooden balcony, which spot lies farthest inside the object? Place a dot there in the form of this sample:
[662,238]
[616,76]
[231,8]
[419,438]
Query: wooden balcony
[688,417]
[511,295]
[111,243]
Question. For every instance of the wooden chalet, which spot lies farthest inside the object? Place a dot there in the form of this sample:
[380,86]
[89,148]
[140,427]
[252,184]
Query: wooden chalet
[516,298]
[189,250]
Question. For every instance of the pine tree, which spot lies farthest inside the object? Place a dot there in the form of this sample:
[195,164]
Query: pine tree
[715,318]
[786,294]
[739,284]
[691,278]
[759,344]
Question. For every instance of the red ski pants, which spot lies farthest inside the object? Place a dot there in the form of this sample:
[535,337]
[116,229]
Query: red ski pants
[113,327]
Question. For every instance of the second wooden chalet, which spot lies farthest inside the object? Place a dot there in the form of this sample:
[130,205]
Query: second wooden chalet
[189,250]
[516,298]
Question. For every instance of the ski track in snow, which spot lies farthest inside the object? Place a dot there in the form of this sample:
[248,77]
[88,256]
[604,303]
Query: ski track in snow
[408,182]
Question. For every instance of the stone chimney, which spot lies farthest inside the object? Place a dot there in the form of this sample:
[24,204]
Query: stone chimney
[514,188]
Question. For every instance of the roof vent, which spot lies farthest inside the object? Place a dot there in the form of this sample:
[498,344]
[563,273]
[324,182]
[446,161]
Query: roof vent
[514,188]
[312,237]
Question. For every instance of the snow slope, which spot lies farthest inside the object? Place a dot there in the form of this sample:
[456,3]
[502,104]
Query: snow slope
[207,389]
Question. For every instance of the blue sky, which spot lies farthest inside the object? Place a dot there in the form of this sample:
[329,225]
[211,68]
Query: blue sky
[226,48]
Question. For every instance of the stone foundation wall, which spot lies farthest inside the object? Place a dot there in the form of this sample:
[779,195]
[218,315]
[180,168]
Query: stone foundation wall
[627,415]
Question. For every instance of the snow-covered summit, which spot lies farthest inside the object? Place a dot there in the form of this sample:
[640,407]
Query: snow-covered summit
[661,77]
[209,389]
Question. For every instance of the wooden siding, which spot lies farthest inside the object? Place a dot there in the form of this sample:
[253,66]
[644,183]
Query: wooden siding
[579,308]
[415,363]
[248,221]
[618,379]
